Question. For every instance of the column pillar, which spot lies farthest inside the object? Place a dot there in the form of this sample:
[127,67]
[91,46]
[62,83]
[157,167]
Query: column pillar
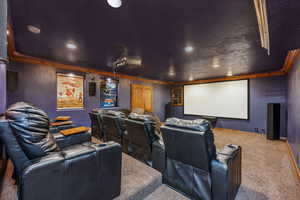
[3,54]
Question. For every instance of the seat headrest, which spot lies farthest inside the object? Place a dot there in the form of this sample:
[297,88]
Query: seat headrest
[98,110]
[114,113]
[31,127]
[197,124]
[142,118]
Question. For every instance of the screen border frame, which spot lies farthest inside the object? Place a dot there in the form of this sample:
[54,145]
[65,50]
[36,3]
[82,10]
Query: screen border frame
[230,118]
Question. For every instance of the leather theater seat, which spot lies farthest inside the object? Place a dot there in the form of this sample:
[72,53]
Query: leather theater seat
[46,172]
[193,166]
[143,142]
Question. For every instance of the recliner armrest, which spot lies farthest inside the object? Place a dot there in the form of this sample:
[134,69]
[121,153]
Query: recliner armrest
[226,173]
[56,129]
[66,141]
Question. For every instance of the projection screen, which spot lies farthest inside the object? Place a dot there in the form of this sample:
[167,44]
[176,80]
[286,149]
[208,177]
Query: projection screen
[220,99]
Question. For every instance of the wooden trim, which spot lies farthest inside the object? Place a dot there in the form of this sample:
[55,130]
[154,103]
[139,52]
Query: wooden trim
[231,78]
[18,57]
[293,161]
[289,60]
[10,40]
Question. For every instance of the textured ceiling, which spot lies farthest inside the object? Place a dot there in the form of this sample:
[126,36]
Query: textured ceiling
[224,35]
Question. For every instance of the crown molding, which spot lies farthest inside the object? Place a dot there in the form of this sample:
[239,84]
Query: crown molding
[18,57]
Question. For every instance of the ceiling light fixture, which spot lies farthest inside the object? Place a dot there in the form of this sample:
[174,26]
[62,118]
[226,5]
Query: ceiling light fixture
[7,32]
[229,73]
[71,45]
[215,62]
[189,49]
[34,29]
[115,3]
[191,78]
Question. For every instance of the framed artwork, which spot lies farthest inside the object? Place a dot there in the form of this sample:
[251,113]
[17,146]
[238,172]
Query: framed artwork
[109,93]
[70,91]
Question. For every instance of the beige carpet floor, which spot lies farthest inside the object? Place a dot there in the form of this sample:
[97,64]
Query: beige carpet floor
[267,172]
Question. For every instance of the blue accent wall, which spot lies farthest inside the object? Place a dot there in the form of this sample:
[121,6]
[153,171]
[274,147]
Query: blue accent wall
[262,91]
[37,85]
[293,103]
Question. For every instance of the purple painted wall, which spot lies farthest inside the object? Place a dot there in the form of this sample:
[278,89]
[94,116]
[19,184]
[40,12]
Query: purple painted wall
[2,87]
[293,104]
[37,85]
[262,91]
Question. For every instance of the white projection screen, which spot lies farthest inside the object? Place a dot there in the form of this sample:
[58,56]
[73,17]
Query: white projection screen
[227,99]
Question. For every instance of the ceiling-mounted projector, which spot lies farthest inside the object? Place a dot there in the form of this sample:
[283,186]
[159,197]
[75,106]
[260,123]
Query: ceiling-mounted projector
[128,62]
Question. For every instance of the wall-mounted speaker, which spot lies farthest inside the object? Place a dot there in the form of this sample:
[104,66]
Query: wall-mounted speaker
[92,89]
[273,121]
[11,81]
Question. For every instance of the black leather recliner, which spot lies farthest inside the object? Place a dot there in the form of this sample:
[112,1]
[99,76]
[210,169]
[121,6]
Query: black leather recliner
[192,165]
[143,142]
[47,172]
[113,126]
[96,124]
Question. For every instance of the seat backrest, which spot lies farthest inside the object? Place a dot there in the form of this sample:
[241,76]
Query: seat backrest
[96,124]
[30,125]
[190,147]
[111,125]
[138,134]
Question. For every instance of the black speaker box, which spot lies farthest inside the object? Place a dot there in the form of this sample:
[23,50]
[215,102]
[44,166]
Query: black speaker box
[273,121]
[11,81]
[92,89]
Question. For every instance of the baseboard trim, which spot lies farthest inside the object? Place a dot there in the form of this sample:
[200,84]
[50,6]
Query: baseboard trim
[293,161]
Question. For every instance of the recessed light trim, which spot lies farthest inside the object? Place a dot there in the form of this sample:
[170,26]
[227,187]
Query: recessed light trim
[114,3]
[71,45]
[34,29]
[229,73]
[189,49]
[191,78]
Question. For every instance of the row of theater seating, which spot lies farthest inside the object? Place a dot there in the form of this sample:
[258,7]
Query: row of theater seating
[183,150]
[57,167]
[136,133]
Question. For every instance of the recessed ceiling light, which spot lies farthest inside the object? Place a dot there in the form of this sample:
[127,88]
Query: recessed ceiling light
[71,45]
[171,73]
[215,62]
[34,29]
[115,3]
[189,49]
[191,78]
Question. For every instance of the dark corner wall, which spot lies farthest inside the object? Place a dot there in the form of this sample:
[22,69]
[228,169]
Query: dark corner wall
[37,85]
[293,104]
[262,91]
[3,54]
[2,87]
